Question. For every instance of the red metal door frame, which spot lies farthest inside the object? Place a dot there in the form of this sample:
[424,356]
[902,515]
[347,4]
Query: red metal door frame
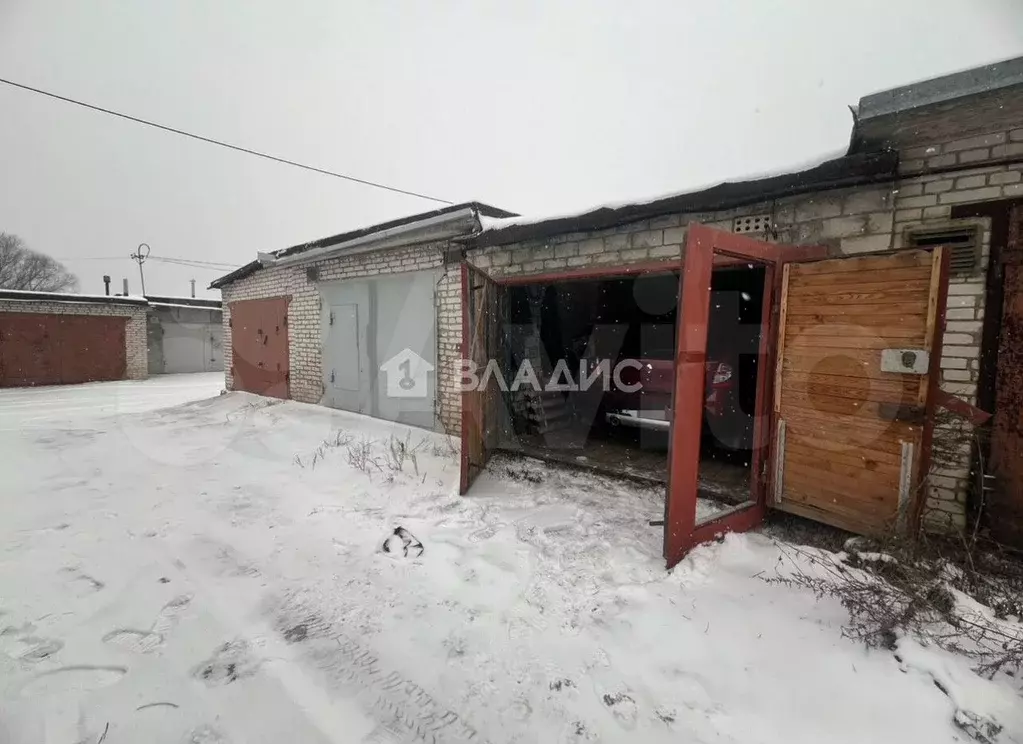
[705,248]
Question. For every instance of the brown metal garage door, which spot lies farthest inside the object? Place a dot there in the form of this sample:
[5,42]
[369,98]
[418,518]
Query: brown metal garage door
[1005,507]
[259,346]
[38,349]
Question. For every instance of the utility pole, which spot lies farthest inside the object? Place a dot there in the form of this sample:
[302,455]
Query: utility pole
[141,255]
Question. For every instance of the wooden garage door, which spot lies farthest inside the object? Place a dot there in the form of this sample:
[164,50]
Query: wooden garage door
[849,433]
[38,349]
[259,346]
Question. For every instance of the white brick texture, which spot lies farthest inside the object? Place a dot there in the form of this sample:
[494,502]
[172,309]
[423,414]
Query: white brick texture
[849,221]
[304,340]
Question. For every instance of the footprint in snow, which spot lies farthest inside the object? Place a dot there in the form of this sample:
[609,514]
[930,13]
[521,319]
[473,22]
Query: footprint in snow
[623,708]
[205,735]
[78,679]
[145,641]
[229,663]
[20,644]
[81,584]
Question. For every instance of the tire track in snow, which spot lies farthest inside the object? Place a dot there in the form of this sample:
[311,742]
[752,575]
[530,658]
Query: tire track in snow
[400,705]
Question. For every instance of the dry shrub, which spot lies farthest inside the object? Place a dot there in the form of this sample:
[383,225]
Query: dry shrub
[896,586]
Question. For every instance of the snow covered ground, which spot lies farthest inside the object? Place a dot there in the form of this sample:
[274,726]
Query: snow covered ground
[213,572]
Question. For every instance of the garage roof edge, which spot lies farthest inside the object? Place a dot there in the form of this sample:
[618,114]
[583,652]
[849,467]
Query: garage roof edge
[477,208]
[849,170]
[30,296]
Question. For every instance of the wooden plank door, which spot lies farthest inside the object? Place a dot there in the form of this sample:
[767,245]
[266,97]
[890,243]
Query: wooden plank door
[482,323]
[859,349]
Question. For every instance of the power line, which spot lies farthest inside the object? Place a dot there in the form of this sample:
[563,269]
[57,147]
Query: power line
[215,264]
[191,265]
[220,143]
[166,259]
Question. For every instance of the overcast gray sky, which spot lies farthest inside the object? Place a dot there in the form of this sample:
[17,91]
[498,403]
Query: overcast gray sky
[532,106]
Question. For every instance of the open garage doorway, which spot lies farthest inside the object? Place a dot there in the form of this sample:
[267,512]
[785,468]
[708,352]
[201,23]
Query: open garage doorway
[843,381]
[587,368]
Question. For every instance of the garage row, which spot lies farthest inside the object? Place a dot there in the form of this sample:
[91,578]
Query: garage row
[50,338]
[744,376]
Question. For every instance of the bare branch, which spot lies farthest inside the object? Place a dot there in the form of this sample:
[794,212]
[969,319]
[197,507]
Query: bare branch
[25,269]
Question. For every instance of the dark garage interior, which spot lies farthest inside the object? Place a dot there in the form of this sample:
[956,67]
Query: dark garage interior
[566,330]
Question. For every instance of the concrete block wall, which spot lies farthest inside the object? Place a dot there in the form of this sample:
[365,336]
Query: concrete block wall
[304,311]
[136,348]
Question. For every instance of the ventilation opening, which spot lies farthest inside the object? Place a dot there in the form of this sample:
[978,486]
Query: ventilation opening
[754,223]
[963,244]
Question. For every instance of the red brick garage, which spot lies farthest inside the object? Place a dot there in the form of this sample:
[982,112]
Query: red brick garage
[57,339]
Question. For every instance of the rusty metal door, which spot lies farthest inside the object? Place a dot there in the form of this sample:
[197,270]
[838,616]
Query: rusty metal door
[40,349]
[859,346]
[92,348]
[28,349]
[1005,503]
[482,321]
[260,358]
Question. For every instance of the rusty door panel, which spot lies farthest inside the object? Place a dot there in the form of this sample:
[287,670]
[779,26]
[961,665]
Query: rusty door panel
[260,355]
[483,314]
[28,349]
[92,348]
[40,349]
[1005,503]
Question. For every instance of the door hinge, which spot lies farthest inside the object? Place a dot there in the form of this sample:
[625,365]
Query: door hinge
[331,377]
[330,320]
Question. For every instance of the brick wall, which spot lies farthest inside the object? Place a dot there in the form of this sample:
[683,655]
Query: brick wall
[136,350]
[304,312]
[850,221]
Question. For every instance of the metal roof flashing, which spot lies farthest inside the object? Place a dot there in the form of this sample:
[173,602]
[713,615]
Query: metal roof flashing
[457,220]
[958,85]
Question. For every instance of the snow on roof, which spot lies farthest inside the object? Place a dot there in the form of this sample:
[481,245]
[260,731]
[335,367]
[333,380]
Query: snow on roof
[218,307]
[499,223]
[20,294]
[854,169]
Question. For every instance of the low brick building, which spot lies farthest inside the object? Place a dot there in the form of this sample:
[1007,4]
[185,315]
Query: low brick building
[321,337]
[939,163]
[48,338]
[928,195]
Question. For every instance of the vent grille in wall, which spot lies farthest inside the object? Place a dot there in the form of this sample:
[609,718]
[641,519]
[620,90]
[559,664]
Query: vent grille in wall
[963,243]
[754,223]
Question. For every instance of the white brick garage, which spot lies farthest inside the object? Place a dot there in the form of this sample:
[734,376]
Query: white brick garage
[51,338]
[944,178]
[315,274]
